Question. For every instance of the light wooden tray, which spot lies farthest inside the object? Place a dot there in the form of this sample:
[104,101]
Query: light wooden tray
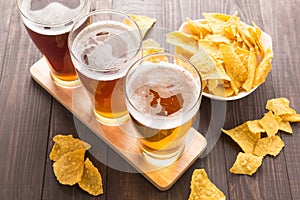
[122,138]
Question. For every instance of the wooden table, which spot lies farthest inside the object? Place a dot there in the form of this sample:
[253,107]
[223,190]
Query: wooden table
[30,117]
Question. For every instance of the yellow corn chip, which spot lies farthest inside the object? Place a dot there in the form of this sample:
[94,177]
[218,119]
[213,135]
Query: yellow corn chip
[207,66]
[252,63]
[285,126]
[269,145]
[243,55]
[212,48]
[203,189]
[255,127]
[68,169]
[290,117]
[216,21]
[216,38]
[263,68]
[198,29]
[150,46]
[280,106]
[270,123]
[234,67]
[91,180]
[243,137]
[144,23]
[246,163]
[64,144]
[186,42]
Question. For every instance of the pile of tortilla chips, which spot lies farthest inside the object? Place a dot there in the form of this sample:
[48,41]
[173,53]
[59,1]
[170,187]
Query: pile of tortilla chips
[69,166]
[202,188]
[249,135]
[227,52]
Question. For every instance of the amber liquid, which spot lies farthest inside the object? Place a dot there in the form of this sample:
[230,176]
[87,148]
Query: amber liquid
[108,96]
[164,141]
[55,49]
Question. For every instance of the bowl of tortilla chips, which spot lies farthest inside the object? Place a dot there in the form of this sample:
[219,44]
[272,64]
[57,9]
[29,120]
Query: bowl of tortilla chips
[232,57]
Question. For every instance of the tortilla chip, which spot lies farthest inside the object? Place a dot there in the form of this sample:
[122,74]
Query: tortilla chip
[243,137]
[234,67]
[263,68]
[270,123]
[255,127]
[216,21]
[252,63]
[285,126]
[290,117]
[280,106]
[207,66]
[91,180]
[212,48]
[144,23]
[64,144]
[186,42]
[269,146]
[68,169]
[246,163]
[198,29]
[203,189]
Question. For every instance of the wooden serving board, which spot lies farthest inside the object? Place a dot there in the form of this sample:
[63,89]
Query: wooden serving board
[123,139]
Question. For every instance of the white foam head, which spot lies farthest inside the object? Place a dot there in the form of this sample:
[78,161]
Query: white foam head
[110,48]
[52,18]
[171,77]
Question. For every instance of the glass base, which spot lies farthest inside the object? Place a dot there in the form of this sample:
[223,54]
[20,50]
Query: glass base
[111,121]
[63,83]
[163,158]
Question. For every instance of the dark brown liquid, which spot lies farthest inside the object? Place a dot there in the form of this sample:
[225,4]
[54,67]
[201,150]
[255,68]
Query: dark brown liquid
[55,48]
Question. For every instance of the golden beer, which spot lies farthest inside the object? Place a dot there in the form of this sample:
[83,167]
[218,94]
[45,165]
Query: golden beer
[163,100]
[102,52]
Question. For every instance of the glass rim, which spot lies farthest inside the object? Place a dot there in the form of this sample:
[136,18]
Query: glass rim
[52,25]
[95,12]
[133,67]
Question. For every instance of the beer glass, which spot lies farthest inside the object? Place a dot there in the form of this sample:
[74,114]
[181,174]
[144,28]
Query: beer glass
[48,24]
[163,95]
[102,50]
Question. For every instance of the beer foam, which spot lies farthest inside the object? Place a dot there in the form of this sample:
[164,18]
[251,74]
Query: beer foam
[108,46]
[166,76]
[53,19]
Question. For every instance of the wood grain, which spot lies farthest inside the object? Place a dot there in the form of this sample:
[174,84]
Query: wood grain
[22,143]
[30,117]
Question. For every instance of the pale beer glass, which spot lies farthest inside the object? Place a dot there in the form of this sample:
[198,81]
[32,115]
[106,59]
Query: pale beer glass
[48,24]
[103,47]
[163,95]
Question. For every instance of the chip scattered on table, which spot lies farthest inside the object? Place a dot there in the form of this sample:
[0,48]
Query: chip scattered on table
[279,106]
[243,136]
[203,189]
[64,144]
[246,163]
[91,180]
[270,123]
[269,146]
[69,168]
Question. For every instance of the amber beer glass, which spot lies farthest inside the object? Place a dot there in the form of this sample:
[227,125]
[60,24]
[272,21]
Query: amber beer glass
[163,95]
[102,51]
[48,24]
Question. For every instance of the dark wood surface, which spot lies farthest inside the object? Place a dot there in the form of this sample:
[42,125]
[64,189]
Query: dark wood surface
[30,117]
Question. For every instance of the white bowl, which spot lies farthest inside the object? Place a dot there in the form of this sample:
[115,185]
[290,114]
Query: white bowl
[266,41]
